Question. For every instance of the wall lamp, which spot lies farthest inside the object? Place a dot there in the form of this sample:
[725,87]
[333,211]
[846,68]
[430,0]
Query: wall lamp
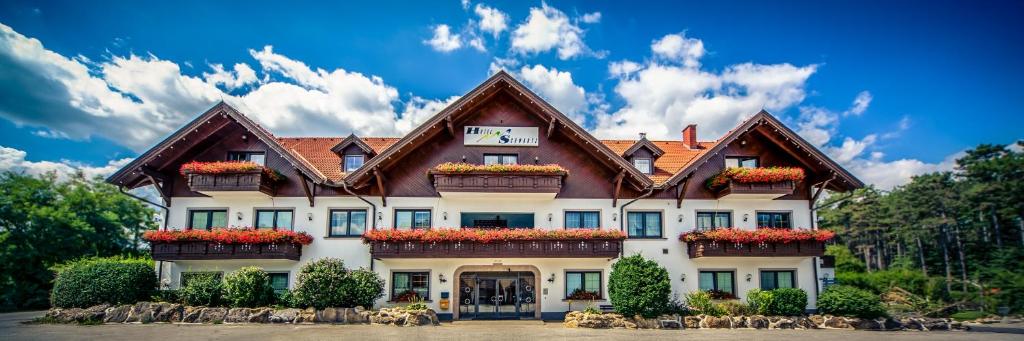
[309,216]
[444,215]
[680,218]
[682,278]
[550,216]
[746,217]
[615,216]
[749,276]
[552,278]
[238,215]
[440,277]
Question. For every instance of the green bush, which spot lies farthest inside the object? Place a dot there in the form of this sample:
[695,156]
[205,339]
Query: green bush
[248,287]
[362,288]
[788,302]
[638,286]
[844,300]
[700,302]
[285,299]
[734,308]
[846,261]
[968,315]
[675,306]
[170,296]
[205,289]
[319,284]
[760,300]
[116,280]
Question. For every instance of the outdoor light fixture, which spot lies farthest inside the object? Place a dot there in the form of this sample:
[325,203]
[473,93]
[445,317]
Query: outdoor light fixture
[550,216]
[745,217]
[682,278]
[380,215]
[615,216]
[444,215]
[440,277]
[238,215]
[536,160]
[309,216]
[552,278]
[749,276]
[680,218]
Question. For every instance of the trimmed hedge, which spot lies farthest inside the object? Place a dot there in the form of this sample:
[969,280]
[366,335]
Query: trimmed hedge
[327,283]
[778,302]
[638,286]
[844,300]
[248,287]
[362,288]
[92,281]
[204,289]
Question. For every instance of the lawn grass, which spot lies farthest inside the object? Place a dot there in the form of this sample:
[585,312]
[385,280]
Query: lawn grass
[968,315]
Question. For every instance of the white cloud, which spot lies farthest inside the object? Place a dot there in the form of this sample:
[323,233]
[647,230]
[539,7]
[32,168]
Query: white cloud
[498,64]
[443,39]
[557,88]
[591,18]
[465,4]
[679,48]
[851,149]
[860,104]
[241,76]
[548,28]
[622,68]
[491,19]
[417,110]
[14,160]
[889,174]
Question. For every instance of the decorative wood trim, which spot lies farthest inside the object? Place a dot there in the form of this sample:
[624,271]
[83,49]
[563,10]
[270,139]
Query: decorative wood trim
[380,186]
[817,193]
[350,140]
[681,191]
[306,190]
[551,126]
[698,249]
[583,248]
[449,124]
[172,251]
[618,187]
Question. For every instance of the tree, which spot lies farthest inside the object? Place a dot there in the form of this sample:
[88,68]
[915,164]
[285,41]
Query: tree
[44,222]
[639,286]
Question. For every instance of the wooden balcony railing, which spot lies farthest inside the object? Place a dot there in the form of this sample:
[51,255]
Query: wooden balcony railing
[589,248]
[497,182]
[255,181]
[217,251]
[757,190]
[698,249]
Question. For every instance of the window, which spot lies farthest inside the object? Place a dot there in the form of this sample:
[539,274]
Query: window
[207,219]
[186,276]
[741,161]
[255,157]
[274,219]
[643,165]
[774,279]
[780,220]
[353,162]
[711,220]
[721,284]
[583,285]
[412,219]
[582,219]
[644,224]
[405,286]
[501,159]
[347,223]
[278,281]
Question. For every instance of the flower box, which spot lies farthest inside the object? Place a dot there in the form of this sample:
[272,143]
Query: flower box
[756,243]
[230,176]
[756,183]
[226,244]
[478,243]
[461,177]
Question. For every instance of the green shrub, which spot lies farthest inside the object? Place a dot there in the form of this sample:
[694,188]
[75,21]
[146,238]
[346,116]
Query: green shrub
[116,280]
[362,288]
[319,284]
[284,299]
[248,287]
[760,300]
[968,315]
[638,286]
[700,302]
[880,282]
[675,306]
[846,261]
[844,300]
[205,289]
[170,296]
[788,302]
[734,308]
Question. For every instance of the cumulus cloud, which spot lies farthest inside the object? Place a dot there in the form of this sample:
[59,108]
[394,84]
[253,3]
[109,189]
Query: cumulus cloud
[444,40]
[557,88]
[14,160]
[242,75]
[622,68]
[677,47]
[491,19]
[591,18]
[418,109]
[860,104]
[548,28]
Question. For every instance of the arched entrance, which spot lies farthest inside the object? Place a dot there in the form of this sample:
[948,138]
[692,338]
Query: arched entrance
[497,292]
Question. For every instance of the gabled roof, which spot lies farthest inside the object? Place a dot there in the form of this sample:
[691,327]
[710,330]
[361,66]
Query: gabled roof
[129,174]
[500,81]
[676,156]
[350,140]
[318,151]
[643,143]
[846,180]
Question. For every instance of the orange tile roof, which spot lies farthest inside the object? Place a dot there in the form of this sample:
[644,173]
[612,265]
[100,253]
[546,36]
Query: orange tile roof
[317,152]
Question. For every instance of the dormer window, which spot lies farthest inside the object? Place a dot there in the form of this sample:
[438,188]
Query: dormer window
[741,161]
[643,165]
[353,162]
[259,158]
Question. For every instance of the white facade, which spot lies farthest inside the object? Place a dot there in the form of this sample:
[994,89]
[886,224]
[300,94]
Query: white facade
[548,214]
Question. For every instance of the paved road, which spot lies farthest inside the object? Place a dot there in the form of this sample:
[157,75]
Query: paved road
[11,328]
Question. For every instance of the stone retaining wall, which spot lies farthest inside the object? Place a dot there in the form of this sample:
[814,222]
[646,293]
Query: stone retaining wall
[578,319]
[152,312]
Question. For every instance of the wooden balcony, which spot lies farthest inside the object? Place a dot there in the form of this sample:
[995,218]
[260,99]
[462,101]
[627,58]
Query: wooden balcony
[698,249]
[253,181]
[490,182]
[218,251]
[766,190]
[590,248]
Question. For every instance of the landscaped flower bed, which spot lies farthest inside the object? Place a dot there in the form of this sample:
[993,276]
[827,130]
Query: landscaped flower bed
[761,235]
[755,175]
[453,167]
[487,235]
[227,167]
[230,236]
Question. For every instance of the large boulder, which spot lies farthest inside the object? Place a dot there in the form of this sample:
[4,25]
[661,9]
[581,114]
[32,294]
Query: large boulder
[237,315]
[758,322]
[891,324]
[307,315]
[739,322]
[117,314]
[167,312]
[781,323]
[817,320]
[212,315]
[804,323]
[141,312]
[691,322]
[935,324]
[191,314]
[866,324]
[716,322]
[329,315]
[836,322]
[259,315]
[284,315]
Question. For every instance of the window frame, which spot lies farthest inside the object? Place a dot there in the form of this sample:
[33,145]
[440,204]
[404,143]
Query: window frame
[287,280]
[583,281]
[345,165]
[247,156]
[348,229]
[256,216]
[698,213]
[430,218]
[209,219]
[760,274]
[757,219]
[501,158]
[644,213]
[391,285]
[181,276]
[714,281]
[565,219]
[740,159]
[650,164]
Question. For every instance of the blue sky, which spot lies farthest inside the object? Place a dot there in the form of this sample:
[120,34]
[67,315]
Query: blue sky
[888,89]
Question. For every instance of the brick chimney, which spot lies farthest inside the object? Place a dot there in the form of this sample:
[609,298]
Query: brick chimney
[690,136]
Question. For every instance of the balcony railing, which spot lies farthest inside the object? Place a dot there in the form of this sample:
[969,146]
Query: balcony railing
[201,250]
[757,190]
[706,248]
[253,181]
[589,248]
[497,182]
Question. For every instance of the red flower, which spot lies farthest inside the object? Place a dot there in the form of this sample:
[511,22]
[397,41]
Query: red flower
[487,235]
[226,167]
[230,236]
[756,175]
[452,167]
[761,235]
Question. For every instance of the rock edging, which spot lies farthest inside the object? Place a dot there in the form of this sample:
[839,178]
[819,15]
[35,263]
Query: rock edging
[163,312]
[576,319]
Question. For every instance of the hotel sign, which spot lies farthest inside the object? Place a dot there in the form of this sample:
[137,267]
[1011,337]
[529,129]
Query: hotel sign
[501,136]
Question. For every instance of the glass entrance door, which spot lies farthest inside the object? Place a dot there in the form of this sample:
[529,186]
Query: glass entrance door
[505,295]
